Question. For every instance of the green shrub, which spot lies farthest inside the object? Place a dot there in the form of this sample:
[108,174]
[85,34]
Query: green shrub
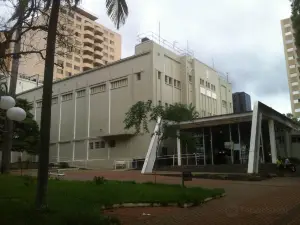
[64,165]
[99,180]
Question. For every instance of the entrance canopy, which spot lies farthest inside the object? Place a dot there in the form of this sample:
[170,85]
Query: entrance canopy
[255,138]
[255,117]
[266,113]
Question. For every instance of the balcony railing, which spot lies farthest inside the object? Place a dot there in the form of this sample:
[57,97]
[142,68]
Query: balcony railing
[98,46]
[88,41]
[88,49]
[98,61]
[88,26]
[98,38]
[87,58]
[88,33]
[98,54]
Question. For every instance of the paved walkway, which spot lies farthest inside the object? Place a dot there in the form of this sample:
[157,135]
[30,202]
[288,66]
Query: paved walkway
[275,202]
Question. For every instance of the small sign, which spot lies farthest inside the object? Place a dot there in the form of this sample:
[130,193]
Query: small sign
[187,176]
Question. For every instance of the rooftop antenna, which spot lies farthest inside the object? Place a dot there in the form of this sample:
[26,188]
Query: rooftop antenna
[174,43]
[213,63]
[227,75]
[187,47]
[159,32]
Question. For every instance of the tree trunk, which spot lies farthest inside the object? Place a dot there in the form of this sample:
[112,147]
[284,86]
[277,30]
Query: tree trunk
[8,135]
[42,182]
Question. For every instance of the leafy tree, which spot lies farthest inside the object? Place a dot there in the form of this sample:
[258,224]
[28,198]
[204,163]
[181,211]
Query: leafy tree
[25,133]
[291,116]
[141,113]
[295,6]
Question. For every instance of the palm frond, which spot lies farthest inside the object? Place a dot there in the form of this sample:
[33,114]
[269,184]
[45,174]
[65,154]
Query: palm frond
[117,10]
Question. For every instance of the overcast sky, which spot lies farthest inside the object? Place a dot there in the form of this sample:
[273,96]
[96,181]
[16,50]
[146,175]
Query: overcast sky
[243,37]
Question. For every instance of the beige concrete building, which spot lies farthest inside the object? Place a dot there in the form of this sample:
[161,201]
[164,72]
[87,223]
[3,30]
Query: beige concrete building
[88,110]
[86,44]
[292,65]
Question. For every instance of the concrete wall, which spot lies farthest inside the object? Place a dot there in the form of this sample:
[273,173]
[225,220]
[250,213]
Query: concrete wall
[88,110]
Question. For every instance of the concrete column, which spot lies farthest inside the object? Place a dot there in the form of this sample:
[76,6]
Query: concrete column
[287,142]
[204,149]
[231,147]
[59,127]
[178,149]
[272,141]
[240,144]
[211,147]
[253,160]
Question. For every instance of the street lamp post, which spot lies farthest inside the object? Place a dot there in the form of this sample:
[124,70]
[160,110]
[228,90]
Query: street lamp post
[13,113]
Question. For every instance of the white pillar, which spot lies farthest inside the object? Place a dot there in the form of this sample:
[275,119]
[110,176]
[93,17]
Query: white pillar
[231,146]
[211,147]
[287,142]
[253,159]
[272,141]
[88,122]
[178,149]
[262,148]
[204,149]
[240,144]
[59,129]
[74,125]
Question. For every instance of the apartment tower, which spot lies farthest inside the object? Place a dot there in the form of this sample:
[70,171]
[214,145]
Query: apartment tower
[86,45]
[292,65]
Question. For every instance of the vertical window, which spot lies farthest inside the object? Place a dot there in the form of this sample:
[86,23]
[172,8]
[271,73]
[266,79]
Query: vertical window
[67,97]
[91,145]
[102,144]
[158,75]
[138,76]
[190,78]
[112,143]
[81,93]
[97,144]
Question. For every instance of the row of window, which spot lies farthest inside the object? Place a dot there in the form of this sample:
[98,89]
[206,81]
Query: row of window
[94,90]
[171,81]
[208,85]
[101,144]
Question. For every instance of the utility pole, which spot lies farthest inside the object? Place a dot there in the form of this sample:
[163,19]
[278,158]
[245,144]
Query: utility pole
[7,145]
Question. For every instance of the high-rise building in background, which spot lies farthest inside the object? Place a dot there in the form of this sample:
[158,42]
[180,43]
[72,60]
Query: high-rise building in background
[241,102]
[88,43]
[292,65]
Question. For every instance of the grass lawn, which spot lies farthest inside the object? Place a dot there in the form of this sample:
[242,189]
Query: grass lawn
[79,203]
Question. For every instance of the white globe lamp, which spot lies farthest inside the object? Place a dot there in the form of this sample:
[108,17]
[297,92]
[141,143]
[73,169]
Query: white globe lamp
[16,113]
[7,102]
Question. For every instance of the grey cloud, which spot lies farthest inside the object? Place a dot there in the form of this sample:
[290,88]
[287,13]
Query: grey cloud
[243,37]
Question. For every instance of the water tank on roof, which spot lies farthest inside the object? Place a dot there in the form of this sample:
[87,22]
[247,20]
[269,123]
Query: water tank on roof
[145,39]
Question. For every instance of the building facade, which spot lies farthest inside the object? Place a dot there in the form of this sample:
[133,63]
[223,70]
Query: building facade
[292,65]
[241,102]
[88,110]
[83,44]
[23,83]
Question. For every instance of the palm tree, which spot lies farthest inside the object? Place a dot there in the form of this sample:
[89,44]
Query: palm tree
[117,10]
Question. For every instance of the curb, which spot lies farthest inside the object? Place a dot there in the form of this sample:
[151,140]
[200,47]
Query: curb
[185,205]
